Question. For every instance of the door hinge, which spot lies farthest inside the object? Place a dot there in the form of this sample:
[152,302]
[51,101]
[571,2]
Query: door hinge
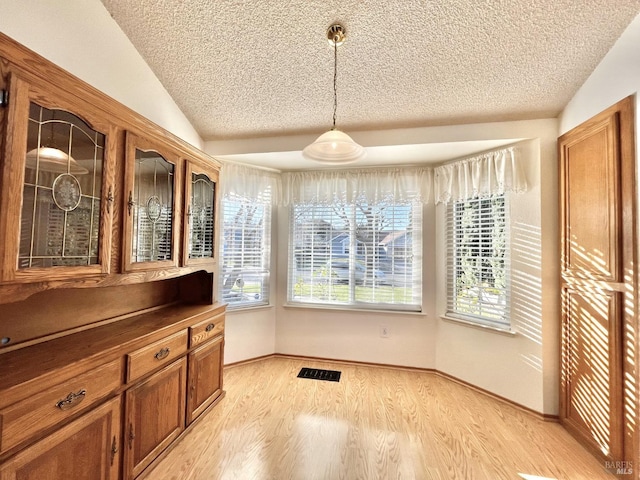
[4,98]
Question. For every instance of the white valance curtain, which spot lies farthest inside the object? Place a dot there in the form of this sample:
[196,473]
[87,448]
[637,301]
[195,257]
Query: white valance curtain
[249,182]
[483,175]
[480,176]
[348,186]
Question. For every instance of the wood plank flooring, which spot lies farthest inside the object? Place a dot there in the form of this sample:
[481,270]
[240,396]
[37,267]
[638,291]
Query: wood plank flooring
[376,423]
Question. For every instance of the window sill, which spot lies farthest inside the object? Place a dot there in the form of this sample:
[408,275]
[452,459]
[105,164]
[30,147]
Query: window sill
[353,310]
[487,328]
[247,308]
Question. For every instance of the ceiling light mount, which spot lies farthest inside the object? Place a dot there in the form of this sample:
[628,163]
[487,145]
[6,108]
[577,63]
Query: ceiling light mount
[336,35]
[334,147]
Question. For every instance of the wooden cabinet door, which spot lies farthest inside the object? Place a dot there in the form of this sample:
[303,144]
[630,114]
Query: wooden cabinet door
[57,178]
[205,377]
[152,205]
[201,183]
[86,448]
[597,272]
[155,414]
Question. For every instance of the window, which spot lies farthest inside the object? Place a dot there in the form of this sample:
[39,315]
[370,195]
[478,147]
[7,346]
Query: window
[246,248]
[478,260]
[357,255]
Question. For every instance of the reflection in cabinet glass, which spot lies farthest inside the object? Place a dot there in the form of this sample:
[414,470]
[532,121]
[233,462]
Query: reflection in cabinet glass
[201,216]
[60,219]
[152,203]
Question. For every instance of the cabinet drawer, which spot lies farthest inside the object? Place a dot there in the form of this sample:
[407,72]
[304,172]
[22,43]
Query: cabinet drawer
[203,331]
[34,414]
[158,354]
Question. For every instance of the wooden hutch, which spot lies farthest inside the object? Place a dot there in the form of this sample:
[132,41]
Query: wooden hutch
[111,339]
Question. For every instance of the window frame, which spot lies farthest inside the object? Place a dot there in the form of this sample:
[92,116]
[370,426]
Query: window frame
[503,305]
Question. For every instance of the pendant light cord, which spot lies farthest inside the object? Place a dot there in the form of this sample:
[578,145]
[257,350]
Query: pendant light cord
[335,79]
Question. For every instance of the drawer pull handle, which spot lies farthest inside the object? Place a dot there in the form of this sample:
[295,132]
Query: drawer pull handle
[130,203]
[110,199]
[132,436]
[162,354]
[210,327]
[72,400]
[114,450]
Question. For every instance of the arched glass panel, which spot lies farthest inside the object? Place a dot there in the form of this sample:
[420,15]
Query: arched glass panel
[60,218]
[201,217]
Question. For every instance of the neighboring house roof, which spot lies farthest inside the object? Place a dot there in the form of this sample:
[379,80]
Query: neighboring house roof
[393,237]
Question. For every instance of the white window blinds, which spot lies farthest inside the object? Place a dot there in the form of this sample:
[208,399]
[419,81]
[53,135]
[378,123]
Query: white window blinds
[245,251]
[478,260]
[356,255]
[246,235]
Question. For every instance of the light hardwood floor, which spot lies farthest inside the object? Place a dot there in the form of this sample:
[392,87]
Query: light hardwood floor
[376,423]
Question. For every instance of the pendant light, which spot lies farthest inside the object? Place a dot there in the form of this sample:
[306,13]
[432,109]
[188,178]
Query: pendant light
[49,158]
[334,146]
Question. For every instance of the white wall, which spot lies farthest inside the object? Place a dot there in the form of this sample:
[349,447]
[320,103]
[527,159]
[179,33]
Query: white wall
[81,37]
[249,333]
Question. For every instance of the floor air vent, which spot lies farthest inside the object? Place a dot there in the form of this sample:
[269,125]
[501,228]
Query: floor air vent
[316,374]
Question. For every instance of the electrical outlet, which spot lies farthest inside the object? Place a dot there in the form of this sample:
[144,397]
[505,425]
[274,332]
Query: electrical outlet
[384,331]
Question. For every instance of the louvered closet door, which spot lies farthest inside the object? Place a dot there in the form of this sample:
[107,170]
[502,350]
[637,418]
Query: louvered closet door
[597,295]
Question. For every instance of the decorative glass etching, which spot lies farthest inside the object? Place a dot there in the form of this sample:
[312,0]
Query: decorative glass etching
[66,192]
[62,190]
[201,217]
[152,202]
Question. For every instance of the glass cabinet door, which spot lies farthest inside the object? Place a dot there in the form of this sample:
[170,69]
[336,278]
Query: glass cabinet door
[151,177]
[200,195]
[57,164]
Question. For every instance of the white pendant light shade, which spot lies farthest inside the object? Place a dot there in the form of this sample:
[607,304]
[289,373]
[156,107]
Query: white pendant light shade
[334,147]
[50,159]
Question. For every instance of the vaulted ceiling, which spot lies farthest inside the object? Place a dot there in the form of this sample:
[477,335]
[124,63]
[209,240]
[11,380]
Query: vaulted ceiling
[247,69]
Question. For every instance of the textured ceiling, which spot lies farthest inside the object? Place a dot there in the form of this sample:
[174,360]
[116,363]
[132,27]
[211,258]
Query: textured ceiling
[253,68]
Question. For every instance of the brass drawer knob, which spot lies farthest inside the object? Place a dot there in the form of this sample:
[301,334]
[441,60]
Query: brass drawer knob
[210,327]
[72,400]
[162,354]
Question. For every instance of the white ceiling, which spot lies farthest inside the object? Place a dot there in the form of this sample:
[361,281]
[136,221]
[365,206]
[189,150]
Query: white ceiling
[255,68]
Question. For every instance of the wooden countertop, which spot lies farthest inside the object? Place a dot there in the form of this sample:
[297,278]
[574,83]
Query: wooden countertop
[29,370]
